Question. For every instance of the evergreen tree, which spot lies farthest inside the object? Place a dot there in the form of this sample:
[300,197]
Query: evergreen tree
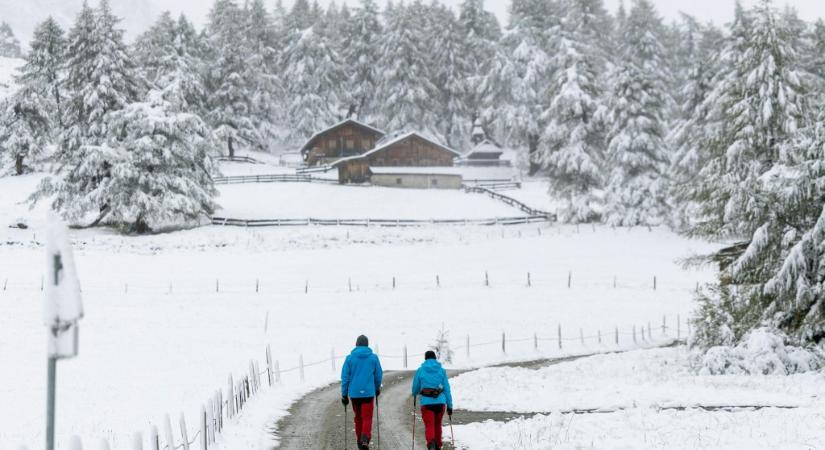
[262,55]
[360,53]
[481,32]
[25,128]
[163,175]
[101,80]
[572,146]
[155,50]
[404,86]
[42,74]
[9,44]
[312,74]
[452,73]
[229,105]
[517,85]
[756,106]
[636,146]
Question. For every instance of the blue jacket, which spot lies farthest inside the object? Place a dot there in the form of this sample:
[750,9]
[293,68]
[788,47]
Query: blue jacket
[432,375]
[361,374]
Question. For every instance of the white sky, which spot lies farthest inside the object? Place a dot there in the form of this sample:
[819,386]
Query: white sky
[719,11]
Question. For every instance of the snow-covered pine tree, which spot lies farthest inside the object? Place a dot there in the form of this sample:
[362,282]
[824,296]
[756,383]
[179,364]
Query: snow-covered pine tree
[25,128]
[162,178]
[9,44]
[404,87]
[771,188]
[757,104]
[42,74]
[312,76]
[100,80]
[228,103]
[814,61]
[481,32]
[452,72]
[691,132]
[262,50]
[636,152]
[300,17]
[360,53]
[516,87]
[571,150]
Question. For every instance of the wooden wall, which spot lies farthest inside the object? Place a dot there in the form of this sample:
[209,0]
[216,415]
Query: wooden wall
[412,152]
[346,140]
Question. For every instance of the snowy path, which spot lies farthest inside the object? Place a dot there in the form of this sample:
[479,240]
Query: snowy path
[317,420]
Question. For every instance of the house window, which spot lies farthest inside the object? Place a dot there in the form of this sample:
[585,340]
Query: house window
[350,144]
[398,181]
[434,182]
[331,144]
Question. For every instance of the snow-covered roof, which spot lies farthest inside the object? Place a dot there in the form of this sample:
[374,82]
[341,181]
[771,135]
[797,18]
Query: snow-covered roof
[485,146]
[393,141]
[340,124]
[415,171]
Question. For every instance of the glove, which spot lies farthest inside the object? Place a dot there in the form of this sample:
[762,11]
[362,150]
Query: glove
[345,400]
[378,392]
[450,412]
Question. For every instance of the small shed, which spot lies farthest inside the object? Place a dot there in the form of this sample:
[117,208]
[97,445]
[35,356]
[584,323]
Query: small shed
[486,154]
[344,139]
[416,177]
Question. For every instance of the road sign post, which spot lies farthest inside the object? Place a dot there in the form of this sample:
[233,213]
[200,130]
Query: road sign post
[62,312]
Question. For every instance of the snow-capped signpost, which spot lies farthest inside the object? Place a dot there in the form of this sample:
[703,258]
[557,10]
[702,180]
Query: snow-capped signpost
[62,311]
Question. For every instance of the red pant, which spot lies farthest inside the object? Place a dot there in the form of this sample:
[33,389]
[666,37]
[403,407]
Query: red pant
[432,416]
[363,417]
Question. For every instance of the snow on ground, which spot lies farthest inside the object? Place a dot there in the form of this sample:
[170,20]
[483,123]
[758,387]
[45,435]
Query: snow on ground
[8,69]
[323,201]
[231,169]
[630,389]
[168,317]
[535,194]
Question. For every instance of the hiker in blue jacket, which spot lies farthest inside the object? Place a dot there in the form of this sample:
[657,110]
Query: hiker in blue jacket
[432,384]
[361,378]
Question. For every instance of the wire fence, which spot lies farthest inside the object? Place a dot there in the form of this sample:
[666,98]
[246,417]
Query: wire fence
[223,406]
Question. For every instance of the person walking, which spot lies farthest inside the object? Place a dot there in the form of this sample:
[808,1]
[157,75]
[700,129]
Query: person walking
[432,384]
[361,377]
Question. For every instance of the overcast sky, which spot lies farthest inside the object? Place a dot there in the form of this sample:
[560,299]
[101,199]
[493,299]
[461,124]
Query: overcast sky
[719,11]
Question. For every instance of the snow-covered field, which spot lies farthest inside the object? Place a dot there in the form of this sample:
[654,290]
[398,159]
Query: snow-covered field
[158,339]
[303,200]
[647,399]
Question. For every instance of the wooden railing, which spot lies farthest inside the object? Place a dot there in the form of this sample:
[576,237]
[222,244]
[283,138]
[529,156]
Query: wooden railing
[512,202]
[245,159]
[224,221]
[278,178]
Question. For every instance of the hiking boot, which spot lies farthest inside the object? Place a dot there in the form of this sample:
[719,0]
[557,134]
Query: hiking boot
[365,443]
[432,446]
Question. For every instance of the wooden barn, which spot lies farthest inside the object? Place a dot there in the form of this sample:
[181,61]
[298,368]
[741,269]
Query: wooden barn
[407,150]
[342,140]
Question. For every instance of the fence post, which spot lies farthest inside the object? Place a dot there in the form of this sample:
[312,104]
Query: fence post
[393,282]
[332,358]
[269,364]
[301,366]
[437,281]
[634,334]
[569,279]
[529,280]
[204,432]
[405,356]
[306,287]
[503,343]
[486,279]
[664,325]
[257,285]
[154,440]
[217,285]
[678,326]
[560,337]
[654,282]
[468,346]
[219,399]
[349,283]
[617,335]
[170,438]
[137,441]
[581,335]
[535,341]
[600,337]
[643,333]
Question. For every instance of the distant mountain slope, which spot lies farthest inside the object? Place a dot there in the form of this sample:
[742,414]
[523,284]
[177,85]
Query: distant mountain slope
[23,16]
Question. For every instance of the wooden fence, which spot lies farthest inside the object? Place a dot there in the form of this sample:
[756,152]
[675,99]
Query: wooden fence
[244,159]
[512,202]
[276,178]
[399,223]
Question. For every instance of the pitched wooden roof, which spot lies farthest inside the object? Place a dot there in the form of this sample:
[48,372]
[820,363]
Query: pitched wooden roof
[390,142]
[363,126]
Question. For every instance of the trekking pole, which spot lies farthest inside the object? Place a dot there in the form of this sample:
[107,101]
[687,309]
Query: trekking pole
[413,416]
[452,435]
[378,421]
[345,428]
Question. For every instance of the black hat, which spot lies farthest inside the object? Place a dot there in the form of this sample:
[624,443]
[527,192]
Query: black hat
[362,341]
[429,355]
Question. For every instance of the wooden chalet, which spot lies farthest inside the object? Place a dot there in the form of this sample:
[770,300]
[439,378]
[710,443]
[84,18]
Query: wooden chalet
[406,150]
[342,140]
